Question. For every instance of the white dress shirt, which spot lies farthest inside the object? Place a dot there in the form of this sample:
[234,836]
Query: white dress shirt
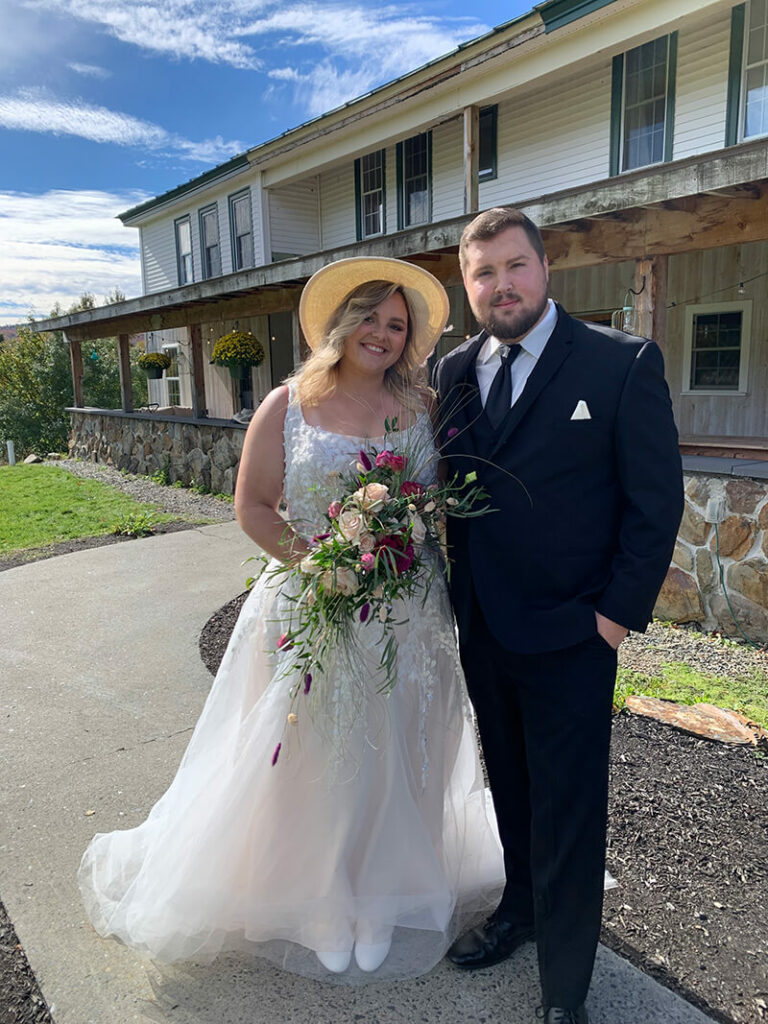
[532,345]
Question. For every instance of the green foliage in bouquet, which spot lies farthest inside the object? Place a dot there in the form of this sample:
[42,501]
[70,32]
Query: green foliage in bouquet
[383,542]
[238,348]
[154,361]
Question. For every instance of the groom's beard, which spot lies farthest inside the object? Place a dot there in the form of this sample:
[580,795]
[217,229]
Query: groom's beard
[514,325]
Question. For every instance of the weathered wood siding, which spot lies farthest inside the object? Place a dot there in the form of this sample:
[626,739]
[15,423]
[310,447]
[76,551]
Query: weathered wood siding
[706,276]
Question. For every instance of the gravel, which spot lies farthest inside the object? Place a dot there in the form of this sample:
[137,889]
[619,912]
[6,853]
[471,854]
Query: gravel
[178,500]
[708,653]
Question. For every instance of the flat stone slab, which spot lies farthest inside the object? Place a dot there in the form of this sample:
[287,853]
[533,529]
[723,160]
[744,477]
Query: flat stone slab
[703,719]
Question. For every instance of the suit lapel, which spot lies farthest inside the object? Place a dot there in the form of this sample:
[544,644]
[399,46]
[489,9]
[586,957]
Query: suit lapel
[460,406]
[556,351]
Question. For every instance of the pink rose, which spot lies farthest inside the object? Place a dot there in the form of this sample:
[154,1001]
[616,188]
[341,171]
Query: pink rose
[333,509]
[367,561]
[394,462]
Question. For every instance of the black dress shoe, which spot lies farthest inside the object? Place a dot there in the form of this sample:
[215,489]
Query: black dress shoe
[488,945]
[557,1015]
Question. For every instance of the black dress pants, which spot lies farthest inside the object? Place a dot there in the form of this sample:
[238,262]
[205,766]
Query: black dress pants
[545,726]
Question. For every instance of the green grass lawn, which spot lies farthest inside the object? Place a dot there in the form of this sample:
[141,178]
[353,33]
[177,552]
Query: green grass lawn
[41,505]
[686,685]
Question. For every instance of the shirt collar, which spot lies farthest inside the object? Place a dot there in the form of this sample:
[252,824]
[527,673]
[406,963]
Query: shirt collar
[534,341]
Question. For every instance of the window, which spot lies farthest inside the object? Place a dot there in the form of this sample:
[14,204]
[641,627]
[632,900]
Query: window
[716,347]
[487,165]
[209,242]
[642,104]
[756,70]
[242,233]
[369,194]
[171,377]
[184,250]
[414,180]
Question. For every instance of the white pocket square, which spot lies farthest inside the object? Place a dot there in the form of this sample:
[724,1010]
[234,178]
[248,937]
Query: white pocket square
[581,412]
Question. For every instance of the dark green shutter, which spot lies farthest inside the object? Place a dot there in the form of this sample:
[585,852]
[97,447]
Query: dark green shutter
[735,67]
[669,120]
[617,92]
[358,202]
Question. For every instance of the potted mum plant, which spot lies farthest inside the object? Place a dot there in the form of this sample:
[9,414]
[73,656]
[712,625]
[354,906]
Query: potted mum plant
[153,364]
[237,350]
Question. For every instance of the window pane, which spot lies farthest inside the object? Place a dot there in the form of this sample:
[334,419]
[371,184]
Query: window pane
[645,100]
[757,101]
[415,180]
[487,143]
[241,218]
[716,351]
[372,194]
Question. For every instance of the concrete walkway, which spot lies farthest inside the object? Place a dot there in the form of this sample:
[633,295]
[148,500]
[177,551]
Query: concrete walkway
[100,687]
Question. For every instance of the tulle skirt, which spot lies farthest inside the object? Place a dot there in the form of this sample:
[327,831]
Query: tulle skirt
[373,821]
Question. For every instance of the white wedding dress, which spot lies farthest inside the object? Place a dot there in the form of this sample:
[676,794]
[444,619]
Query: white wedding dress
[373,819]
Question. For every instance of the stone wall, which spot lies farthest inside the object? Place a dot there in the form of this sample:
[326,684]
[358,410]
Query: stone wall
[202,452]
[693,591]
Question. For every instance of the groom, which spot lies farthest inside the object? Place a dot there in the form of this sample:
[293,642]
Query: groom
[569,428]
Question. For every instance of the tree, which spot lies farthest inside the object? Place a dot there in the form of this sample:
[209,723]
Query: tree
[36,383]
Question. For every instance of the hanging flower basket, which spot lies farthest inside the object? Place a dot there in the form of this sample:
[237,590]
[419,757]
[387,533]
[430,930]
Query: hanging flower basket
[153,364]
[238,351]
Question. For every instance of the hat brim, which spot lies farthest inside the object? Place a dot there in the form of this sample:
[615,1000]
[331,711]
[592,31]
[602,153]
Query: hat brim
[329,287]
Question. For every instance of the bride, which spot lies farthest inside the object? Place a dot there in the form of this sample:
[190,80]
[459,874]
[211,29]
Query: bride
[366,847]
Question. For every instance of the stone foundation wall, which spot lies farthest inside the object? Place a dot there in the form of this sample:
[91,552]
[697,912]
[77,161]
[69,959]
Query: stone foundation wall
[195,451]
[693,591]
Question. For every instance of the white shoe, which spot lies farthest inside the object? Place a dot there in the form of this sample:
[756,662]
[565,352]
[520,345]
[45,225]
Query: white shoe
[371,955]
[337,963]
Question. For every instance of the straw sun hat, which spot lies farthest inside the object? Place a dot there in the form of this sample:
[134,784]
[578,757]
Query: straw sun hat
[326,290]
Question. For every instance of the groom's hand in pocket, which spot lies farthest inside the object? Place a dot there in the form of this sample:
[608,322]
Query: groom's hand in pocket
[610,631]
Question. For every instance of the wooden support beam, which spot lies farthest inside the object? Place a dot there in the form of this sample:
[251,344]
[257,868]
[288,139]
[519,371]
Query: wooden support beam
[471,159]
[76,364]
[651,302]
[199,404]
[124,363]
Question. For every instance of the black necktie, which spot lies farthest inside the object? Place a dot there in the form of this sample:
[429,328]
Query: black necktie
[500,396]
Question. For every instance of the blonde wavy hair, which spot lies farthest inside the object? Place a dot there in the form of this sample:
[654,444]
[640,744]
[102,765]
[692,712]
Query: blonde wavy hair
[316,378]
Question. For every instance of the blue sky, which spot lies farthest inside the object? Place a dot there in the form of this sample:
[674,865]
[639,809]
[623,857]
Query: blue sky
[105,103]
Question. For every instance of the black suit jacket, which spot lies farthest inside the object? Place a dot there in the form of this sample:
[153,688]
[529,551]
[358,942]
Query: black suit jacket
[587,510]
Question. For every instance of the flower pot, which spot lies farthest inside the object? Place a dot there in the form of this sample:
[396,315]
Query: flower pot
[236,370]
[153,372]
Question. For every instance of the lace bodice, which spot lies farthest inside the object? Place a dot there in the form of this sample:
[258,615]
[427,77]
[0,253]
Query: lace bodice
[316,458]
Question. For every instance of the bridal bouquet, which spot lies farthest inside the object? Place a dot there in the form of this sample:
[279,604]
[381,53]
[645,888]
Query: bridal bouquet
[382,542]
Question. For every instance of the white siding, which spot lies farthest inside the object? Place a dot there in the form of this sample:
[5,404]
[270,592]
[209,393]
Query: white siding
[337,207]
[293,218]
[448,170]
[390,216]
[554,138]
[702,82]
[158,255]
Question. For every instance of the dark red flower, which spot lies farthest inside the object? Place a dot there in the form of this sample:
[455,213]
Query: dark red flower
[365,611]
[409,488]
[307,682]
[401,551]
[365,460]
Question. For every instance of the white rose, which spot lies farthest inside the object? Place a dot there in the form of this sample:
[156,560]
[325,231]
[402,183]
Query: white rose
[366,541]
[346,582]
[372,497]
[351,525]
[310,566]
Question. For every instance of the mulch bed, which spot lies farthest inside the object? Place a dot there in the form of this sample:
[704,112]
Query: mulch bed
[688,844]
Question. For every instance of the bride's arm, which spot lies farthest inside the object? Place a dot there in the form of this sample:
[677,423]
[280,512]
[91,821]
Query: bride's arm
[260,481]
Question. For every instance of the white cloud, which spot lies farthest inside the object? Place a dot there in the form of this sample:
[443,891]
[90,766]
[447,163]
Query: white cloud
[89,70]
[32,111]
[59,244]
[360,44]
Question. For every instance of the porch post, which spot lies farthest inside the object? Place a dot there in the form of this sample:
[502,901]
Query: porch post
[197,382]
[76,364]
[124,361]
[300,347]
[651,303]
[471,159]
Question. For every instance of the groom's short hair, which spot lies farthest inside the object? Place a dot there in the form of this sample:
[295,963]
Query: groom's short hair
[492,222]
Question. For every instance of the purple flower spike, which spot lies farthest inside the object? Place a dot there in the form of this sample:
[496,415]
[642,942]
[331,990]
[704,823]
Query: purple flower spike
[365,460]
[365,611]
[307,682]
[320,536]
[452,432]
[276,754]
